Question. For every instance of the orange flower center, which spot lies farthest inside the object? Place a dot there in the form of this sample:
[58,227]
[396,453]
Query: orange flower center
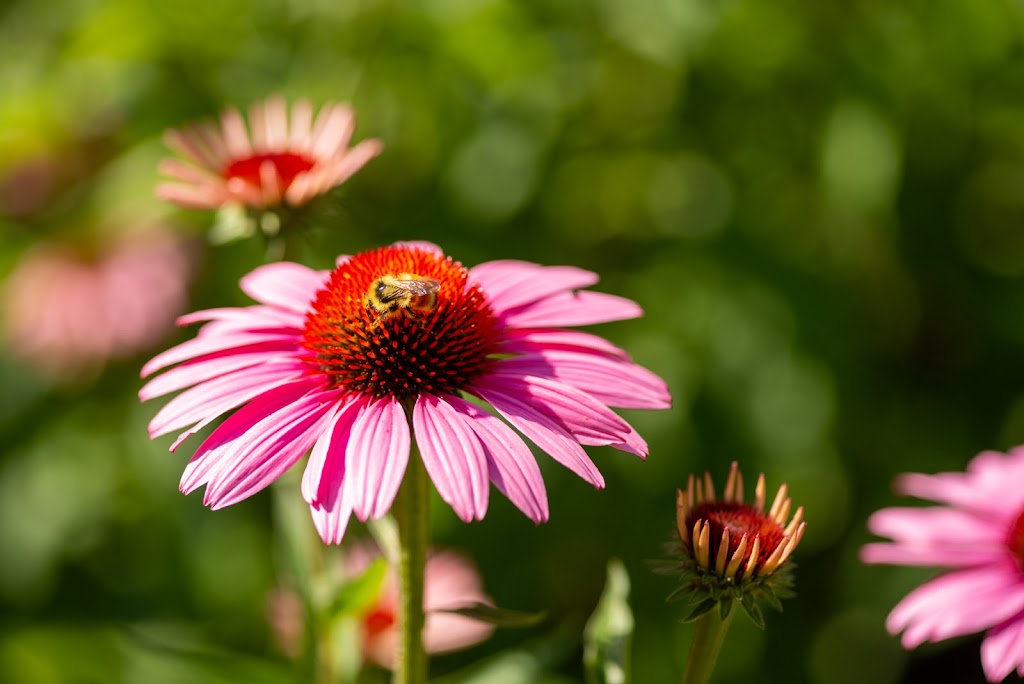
[740,520]
[287,165]
[387,340]
[378,620]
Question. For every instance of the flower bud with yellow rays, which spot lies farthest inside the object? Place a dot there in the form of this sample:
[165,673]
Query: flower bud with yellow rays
[729,550]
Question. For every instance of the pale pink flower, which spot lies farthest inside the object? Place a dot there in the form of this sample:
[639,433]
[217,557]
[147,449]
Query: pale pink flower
[66,313]
[311,367]
[450,581]
[287,618]
[282,157]
[978,533]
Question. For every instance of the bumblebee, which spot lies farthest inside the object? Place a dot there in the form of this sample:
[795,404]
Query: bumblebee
[404,293]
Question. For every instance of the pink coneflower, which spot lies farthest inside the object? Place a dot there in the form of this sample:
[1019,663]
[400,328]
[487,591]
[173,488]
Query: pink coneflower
[450,581]
[312,367]
[277,160]
[66,313]
[979,533]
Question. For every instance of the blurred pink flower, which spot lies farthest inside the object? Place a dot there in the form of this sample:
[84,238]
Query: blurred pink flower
[278,159]
[65,313]
[450,581]
[311,366]
[287,619]
[978,533]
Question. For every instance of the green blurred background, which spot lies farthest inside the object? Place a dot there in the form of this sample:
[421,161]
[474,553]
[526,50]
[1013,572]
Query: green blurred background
[820,205]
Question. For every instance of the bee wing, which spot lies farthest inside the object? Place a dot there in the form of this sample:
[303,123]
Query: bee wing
[418,286]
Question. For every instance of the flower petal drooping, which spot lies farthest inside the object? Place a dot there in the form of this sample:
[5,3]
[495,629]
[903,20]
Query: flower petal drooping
[396,344]
[268,164]
[978,533]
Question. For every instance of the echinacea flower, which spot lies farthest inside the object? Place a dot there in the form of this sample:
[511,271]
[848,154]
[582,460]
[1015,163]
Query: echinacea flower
[450,581]
[68,313]
[730,550]
[312,367]
[282,157]
[978,533]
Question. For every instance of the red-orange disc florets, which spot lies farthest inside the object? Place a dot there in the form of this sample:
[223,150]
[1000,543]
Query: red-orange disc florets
[439,352]
[287,165]
[739,519]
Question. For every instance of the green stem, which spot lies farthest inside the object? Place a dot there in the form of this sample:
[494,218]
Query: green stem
[411,513]
[707,641]
[287,244]
[302,560]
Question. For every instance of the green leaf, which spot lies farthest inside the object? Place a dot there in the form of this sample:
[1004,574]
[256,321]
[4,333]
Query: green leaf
[772,600]
[723,609]
[355,597]
[609,630]
[499,617]
[753,610]
[700,609]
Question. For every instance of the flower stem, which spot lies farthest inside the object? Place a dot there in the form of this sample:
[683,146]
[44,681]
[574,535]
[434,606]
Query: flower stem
[707,641]
[411,513]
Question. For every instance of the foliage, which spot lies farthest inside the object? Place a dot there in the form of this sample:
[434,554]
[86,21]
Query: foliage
[817,204]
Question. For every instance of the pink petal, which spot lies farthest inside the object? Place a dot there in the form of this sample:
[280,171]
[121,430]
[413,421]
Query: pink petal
[301,124]
[200,370]
[613,382]
[544,432]
[927,556]
[318,456]
[339,170]
[333,130]
[511,465]
[179,170]
[256,317]
[276,123]
[451,582]
[325,471]
[989,486]
[509,283]
[572,308]
[208,459]
[193,196]
[331,520]
[235,135]
[524,341]
[937,526]
[376,457]
[1002,651]
[958,603]
[209,134]
[284,284]
[190,146]
[453,457]
[586,419]
[265,452]
[323,482]
[214,397]
[237,343]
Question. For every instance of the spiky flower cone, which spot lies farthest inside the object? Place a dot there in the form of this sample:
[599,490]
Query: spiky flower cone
[730,551]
